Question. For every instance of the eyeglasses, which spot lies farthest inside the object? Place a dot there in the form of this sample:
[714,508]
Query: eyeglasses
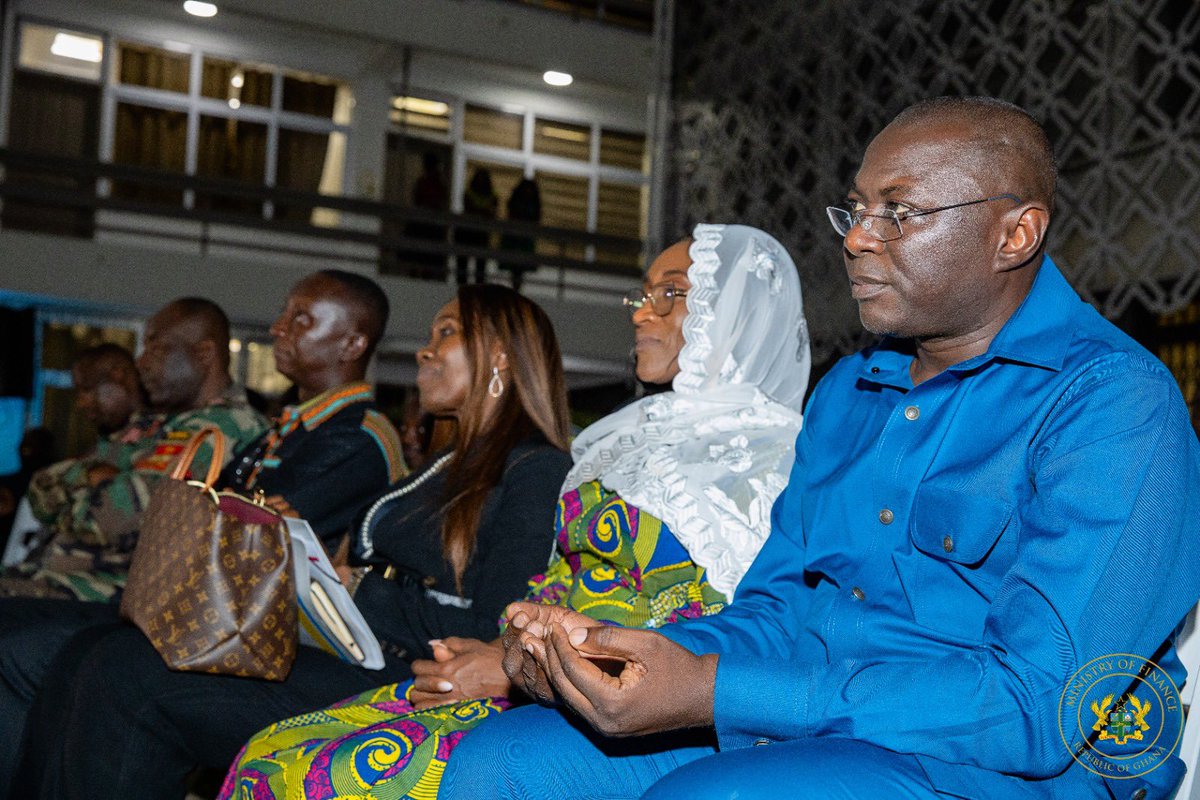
[661,299]
[884,223]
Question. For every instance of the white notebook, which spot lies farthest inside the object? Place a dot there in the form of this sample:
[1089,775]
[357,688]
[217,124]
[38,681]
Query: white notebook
[328,617]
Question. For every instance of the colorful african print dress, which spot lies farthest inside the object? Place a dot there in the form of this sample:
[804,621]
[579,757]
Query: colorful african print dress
[616,564]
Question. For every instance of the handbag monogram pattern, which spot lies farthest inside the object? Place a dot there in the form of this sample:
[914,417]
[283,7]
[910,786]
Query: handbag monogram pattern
[210,584]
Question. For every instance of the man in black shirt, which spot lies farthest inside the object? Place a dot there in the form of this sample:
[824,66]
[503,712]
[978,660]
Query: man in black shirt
[326,456]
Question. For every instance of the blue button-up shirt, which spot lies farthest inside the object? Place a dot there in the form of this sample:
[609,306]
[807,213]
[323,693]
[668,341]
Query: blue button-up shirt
[947,555]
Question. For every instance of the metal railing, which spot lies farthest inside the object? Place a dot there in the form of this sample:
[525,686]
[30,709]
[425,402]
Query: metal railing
[386,235]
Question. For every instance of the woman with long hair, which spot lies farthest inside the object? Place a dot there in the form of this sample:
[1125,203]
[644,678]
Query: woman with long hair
[439,554]
[667,504]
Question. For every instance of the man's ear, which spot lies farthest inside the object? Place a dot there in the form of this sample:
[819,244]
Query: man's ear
[354,346]
[1024,233]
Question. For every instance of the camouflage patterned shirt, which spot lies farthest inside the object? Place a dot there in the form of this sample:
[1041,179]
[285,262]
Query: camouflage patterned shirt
[94,528]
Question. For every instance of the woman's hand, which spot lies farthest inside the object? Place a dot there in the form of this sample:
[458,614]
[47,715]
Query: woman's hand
[280,506]
[462,669]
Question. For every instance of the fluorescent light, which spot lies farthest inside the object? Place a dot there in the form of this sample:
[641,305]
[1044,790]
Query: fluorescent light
[80,48]
[565,134]
[417,105]
[555,78]
[198,8]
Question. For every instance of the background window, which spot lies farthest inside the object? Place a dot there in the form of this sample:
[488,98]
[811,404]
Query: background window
[153,67]
[63,52]
[564,205]
[620,211]
[149,137]
[562,139]
[492,127]
[308,94]
[233,150]
[421,114]
[248,84]
[625,150]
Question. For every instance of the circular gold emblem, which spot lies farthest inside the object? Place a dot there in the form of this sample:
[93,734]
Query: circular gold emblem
[1120,716]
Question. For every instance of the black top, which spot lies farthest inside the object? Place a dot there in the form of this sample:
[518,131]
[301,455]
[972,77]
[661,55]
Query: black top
[515,540]
[328,458]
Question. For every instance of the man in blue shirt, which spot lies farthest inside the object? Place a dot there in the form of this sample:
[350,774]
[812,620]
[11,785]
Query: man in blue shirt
[992,512]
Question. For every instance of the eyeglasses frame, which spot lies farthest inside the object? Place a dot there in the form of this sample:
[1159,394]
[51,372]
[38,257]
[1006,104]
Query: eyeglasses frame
[646,297]
[856,218]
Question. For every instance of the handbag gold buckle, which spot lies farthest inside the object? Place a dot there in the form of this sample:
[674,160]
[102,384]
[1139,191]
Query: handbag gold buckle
[389,572]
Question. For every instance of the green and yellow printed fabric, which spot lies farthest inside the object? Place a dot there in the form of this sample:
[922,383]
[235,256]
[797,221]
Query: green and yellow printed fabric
[614,563]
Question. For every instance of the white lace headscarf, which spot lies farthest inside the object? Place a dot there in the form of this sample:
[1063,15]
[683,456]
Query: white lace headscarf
[710,457]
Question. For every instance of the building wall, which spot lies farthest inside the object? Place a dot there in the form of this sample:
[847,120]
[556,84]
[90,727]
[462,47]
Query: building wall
[421,45]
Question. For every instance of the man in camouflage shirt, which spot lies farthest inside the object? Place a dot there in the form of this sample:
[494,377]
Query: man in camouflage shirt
[94,506]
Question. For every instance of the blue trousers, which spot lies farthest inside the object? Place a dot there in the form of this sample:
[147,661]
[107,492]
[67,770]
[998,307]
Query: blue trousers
[534,752]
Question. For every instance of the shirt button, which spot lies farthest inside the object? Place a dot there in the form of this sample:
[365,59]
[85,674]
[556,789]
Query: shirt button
[886,516]
[1140,794]
[874,370]
[912,412]
[948,544]
[858,593]
[761,742]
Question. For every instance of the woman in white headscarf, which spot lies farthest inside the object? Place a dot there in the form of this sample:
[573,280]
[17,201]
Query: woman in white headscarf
[666,506]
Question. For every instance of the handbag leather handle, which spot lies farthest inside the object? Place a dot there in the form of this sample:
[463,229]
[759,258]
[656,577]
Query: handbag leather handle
[193,446]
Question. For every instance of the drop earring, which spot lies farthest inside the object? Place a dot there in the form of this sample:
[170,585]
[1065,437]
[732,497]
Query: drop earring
[495,385]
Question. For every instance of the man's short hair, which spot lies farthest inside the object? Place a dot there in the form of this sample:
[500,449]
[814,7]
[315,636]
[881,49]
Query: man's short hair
[1005,133]
[106,356]
[368,297]
[210,321]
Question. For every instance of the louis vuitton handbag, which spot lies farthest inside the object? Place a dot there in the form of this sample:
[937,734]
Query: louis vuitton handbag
[210,583]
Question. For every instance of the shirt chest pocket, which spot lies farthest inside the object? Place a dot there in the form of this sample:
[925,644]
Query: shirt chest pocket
[960,554]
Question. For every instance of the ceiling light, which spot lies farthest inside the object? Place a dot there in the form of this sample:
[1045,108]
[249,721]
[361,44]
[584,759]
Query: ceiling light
[234,103]
[80,48]
[198,8]
[555,78]
[417,105]
[237,81]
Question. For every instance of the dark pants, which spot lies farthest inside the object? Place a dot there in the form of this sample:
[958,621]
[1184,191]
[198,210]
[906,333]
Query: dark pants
[32,633]
[124,726]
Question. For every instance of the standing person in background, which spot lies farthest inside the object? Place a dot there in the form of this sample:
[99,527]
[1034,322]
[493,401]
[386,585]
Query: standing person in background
[524,205]
[431,194]
[479,200]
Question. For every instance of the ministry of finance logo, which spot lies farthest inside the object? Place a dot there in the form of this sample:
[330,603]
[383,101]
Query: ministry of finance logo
[1120,716]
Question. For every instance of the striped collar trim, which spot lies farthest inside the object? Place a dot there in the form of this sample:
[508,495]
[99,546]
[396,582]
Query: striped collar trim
[320,408]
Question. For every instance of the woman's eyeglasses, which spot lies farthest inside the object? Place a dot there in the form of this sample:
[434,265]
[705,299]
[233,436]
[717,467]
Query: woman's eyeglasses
[661,299]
